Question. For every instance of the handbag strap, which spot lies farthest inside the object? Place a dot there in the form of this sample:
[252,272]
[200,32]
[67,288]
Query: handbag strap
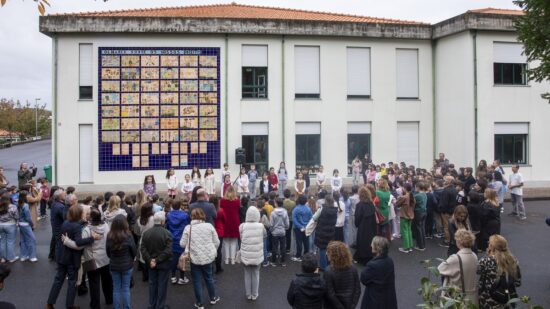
[189,240]
[461,273]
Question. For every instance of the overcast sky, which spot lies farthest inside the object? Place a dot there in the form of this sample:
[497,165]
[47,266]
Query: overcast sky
[25,54]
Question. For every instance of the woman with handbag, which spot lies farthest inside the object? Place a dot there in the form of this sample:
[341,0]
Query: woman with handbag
[383,194]
[201,242]
[365,221]
[96,261]
[252,234]
[459,270]
[499,275]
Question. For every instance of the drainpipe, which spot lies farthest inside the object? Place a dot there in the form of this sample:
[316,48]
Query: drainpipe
[54,119]
[434,103]
[283,94]
[476,138]
[226,100]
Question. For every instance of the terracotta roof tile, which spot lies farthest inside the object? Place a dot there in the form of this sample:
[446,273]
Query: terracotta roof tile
[497,11]
[240,11]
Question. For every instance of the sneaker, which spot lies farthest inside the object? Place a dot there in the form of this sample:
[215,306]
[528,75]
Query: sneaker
[23,259]
[249,297]
[174,280]
[265,264]
[512,214]
[283,264]
[199,306]
[444,244]
[227,262]
[3,261]
[232,261]
[34,260]
[295,259]
[183,281]
[429,237]
[254,297]
[438,235]
[14,260]
[420,249]
[40,218]
[523,217]
[404,250]
[273,264]
[215,300]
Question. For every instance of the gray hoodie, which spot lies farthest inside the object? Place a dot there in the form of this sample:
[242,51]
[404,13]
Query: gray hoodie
[279,222]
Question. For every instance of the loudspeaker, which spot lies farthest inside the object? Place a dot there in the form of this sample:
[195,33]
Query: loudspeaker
[240,156]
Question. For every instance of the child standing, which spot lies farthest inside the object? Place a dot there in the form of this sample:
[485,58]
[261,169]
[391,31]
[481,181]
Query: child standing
[321,179]
[176,221]
[300,184]
[283,178]
[252,177]
[420,212]
[196,176]
[225,171]
[226,184]
[45,190]
[26,226]
[187,186]
[242,183]
[336,181]
[279,224]
[209,181]
[406,204]
[172,183]
[149,185]
[356,168]
[273,180]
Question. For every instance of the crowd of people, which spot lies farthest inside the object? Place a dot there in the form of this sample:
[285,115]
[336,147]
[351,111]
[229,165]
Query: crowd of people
[260,221]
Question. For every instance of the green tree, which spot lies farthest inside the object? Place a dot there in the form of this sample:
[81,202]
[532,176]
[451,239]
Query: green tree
[533,30]
[26,119]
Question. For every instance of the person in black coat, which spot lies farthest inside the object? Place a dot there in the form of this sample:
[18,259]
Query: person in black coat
[379,278]
[325,230]
[308,290]
[447,204]
[342,279]
[475,198]
[365,221]
[68,260]
[265,185]
[490,218]
[58,213]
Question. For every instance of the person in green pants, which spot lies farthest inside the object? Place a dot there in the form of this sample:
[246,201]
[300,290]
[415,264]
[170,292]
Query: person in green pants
[406,204]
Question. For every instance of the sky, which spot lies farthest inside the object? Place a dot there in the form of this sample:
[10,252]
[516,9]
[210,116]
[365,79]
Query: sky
[25,53]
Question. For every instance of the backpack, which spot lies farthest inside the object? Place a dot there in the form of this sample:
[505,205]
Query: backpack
[504,289]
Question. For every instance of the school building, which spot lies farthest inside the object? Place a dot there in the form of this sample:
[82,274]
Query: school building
[136,92]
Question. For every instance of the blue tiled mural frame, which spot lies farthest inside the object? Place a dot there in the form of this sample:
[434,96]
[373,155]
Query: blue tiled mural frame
[149,134]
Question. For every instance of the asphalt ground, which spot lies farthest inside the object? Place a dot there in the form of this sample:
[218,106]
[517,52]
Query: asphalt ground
[29,284]
[39,153]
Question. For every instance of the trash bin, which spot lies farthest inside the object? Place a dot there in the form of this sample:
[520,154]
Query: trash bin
[48,172]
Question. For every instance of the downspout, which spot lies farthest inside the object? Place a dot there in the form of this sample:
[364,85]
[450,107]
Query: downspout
[54,119]
[283,94]
[226,112]
[475,100]
[434,102]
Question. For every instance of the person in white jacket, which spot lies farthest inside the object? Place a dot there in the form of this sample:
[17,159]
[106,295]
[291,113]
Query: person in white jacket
[335,181]
[172,183]
[201,241]
[242,183]
[252,234]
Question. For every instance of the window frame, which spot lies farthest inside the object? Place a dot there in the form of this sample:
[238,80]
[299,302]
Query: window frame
[255,88]
[524,81]
[408,98]
[83,89]
[249,161]
[368,143]
[499,154]
[307,95]
[300,164]
[359,96]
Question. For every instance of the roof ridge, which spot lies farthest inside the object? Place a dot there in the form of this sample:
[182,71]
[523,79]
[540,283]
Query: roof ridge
[481,10]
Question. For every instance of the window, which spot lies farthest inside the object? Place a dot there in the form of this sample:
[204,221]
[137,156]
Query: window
[254,71]
[509,64]
[358,141]
[306,74]
[85,72]
[407,73]
[308,146]
[407,143]
[511,142]
[255,141]
[358,62]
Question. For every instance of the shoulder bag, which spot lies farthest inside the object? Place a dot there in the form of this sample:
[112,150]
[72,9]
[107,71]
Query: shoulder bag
[89,265]
[184,262]
[504,289]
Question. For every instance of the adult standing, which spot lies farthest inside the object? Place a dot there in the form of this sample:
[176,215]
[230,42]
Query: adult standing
[379,278]
[365,221]
[476,197]
[325,230]
[515,184]
[114,210]
[252,241]
[121,250]
[342,279]
[383,194]
[459,270]
[33,199]
[230,204]
[57,217]
[219,224]
[499,268]
[146,222]
[490,218]
[201,241]
[68,260]
[351,240]
[202,202]
[156,250]
[4,182]
[458,221]
[8,229]
[420,213]
[446,205]
[25,174]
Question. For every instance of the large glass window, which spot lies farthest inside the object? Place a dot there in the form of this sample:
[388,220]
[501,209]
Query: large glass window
[85,89]
[308,152]
[511,148]
[256,149]
[358,145]
[509,64]
[254,71]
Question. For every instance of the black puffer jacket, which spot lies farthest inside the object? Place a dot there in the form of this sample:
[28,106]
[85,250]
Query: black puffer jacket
[324,232]
[307,291]
[122,259]
[447,202]
[343,288]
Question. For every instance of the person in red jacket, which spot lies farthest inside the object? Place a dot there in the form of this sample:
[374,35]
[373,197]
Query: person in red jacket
[273,180]
[219,226]
[230,204]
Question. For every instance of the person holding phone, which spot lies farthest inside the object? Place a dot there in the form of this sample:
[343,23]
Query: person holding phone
[25,174]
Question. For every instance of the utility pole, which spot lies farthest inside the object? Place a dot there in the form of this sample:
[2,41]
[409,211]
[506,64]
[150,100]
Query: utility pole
[36,118]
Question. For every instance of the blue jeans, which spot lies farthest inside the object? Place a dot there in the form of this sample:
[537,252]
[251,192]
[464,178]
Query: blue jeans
[8,233]
[346,231]
[301,241]
[174,264]
[266,248]
[69,271]
[199,272]
[121,289]
[158,287]
[28,242]
[323,262]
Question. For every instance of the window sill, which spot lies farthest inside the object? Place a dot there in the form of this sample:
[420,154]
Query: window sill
[307,99]
[408,99]
[85,100]
[513,86]
[359,98]
[254,99]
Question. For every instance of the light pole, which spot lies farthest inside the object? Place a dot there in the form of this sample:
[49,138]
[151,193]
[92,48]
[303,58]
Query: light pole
[36,118]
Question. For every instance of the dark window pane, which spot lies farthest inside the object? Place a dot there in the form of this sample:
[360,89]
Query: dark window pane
[254,82]
[358,145]
[509,73]
[497,70]
[85,92]
[518,77]
[511,148]
[256,149]
[507,70]
[308,151]
[307,95]
[519,146]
